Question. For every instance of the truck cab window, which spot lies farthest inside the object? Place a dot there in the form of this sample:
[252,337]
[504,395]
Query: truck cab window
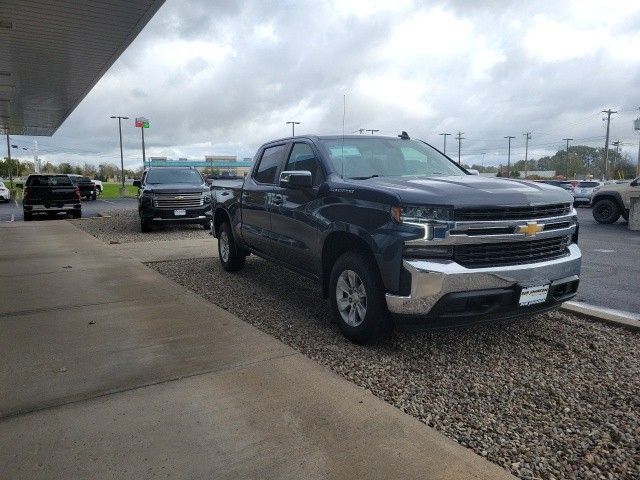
[269,163]
[303,158]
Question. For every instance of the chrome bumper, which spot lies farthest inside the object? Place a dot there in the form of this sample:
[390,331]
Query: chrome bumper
[432,279]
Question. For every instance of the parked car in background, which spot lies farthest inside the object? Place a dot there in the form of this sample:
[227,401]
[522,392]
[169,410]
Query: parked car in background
[392,225]
[564,184]
[583,191]
[50,194]
[173,195]
[613,200]
[5,194]
[86,186]
[98,185]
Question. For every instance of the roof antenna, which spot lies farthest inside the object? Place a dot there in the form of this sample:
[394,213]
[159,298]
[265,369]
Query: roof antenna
[404,136]
[344,114]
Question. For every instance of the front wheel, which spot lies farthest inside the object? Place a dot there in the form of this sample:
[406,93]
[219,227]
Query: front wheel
[231,258]
[357,299]
[77,214]
[606,211]
[145,225]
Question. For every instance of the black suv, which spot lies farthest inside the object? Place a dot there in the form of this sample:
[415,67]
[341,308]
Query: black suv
[173,195]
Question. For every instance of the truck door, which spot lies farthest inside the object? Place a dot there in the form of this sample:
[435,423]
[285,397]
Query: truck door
[257,197]
[296,228]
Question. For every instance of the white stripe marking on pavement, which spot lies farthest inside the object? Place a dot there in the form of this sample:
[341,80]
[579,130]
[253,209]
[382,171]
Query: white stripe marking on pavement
[107,201]
[602,250]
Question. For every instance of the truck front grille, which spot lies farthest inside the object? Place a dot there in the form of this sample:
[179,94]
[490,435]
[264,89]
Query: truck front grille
[512,213]
[185,200]
[510,253]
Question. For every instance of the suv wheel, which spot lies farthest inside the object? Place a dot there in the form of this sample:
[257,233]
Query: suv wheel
[606,211]
[28,216]
[357,299]
[231,258]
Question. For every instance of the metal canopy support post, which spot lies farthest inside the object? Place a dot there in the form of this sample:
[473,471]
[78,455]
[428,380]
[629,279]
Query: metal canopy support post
[10,163]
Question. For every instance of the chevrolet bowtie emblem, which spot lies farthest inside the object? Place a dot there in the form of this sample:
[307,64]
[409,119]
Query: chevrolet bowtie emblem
[530,229]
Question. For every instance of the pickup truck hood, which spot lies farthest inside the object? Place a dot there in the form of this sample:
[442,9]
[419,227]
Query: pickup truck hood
[176,188]
[470,191]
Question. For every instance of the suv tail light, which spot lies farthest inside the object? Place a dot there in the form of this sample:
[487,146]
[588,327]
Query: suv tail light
[77,192]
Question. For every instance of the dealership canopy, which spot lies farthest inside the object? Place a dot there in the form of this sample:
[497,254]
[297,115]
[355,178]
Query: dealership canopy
[52,53]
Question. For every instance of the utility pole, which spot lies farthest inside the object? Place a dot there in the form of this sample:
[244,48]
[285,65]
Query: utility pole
[372,130]
[509,138]
[9,162]
[121,156]
[566,165]
[483,154]
[527,137]
[445,135]
[459,137]
[609,112]
[613,163]
[636,127]
[293,127]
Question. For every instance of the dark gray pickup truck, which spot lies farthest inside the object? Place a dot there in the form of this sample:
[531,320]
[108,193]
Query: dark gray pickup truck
[50,194]
[393,230]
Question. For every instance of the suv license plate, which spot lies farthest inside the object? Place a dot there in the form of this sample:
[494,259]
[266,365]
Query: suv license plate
[533,295]
[179,213]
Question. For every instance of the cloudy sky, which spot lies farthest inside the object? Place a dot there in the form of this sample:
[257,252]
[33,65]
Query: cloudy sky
[221,77]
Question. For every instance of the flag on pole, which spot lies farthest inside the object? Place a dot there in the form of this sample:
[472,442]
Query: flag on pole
[142,122]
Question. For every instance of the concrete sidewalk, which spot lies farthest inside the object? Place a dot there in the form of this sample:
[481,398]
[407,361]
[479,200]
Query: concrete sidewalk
[110,370]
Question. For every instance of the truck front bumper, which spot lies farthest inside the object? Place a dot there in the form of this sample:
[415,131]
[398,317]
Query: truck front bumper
[444,289]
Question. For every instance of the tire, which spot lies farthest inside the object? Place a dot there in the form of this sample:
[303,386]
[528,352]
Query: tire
[145,225]
[353,277]
[625,215]
[231,257]
[28,216]
[94,196]
[605,211]
[77,214]
[206,225]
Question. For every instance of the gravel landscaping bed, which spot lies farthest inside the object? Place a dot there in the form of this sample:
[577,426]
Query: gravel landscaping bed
[554,396]
[123,226]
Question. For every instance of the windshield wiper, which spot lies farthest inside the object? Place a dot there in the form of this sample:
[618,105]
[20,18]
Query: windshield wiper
[365,178]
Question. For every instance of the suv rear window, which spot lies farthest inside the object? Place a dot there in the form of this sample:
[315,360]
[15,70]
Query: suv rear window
[48,181]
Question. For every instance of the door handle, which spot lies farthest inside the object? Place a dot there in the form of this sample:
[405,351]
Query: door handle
[277,199]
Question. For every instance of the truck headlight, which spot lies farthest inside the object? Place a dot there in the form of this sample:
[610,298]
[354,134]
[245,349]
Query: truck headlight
[421,214]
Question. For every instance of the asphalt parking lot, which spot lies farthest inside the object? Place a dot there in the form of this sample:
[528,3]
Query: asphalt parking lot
[12,211]
[610,264]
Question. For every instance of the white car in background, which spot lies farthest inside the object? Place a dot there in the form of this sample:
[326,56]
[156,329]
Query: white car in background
[583,191]
[5,196]
[98,185]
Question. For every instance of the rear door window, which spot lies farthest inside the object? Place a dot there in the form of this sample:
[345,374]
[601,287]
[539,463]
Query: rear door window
[271,159]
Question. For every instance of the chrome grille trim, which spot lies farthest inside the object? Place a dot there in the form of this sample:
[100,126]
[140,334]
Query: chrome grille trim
[178,200]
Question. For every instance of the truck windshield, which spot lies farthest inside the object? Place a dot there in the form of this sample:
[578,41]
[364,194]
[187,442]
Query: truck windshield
[174,175]
[362,158]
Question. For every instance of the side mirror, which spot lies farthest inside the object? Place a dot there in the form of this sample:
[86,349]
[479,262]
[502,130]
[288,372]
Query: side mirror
[137,183]
[296,179]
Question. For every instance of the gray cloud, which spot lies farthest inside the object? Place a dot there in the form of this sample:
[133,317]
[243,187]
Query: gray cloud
[223,77]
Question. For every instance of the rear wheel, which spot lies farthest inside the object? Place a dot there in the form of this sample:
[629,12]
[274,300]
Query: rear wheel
[357,299]
[77,214]
[94,196]
[605,211]
[28,216]
[231,257]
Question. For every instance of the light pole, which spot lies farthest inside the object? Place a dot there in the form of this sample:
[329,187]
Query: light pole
[527,137]
[293,127]
[566,166]
[445,135]
[121,156]
[509,138]
[16,147]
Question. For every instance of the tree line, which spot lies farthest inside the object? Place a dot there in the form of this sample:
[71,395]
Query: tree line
[582,161]
[103,172]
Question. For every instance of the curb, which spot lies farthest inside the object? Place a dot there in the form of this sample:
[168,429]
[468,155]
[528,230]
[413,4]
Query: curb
[607,315]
